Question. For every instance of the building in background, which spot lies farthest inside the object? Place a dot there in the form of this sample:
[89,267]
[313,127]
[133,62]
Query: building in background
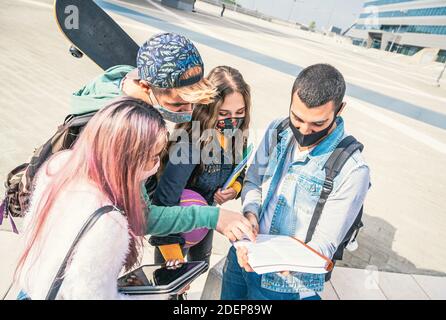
[335,30]
[403,26]
[186,5]
[324,13]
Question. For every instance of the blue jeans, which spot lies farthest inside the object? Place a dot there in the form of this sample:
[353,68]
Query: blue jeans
[22,296]
[237,284]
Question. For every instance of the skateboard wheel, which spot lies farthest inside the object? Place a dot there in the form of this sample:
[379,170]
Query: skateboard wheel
[75,52]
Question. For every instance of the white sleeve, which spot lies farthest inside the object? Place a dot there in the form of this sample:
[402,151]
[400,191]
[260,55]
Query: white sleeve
[97,261]
[340,211]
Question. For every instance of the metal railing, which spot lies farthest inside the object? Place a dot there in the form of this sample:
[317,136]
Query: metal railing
[231,5]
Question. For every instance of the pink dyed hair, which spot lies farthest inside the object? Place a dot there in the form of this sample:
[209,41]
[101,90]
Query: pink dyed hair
[113,152]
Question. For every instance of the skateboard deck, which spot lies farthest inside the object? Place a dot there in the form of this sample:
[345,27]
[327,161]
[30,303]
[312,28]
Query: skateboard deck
[94,33]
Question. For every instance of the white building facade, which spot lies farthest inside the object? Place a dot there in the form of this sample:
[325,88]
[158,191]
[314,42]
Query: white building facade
[403,26]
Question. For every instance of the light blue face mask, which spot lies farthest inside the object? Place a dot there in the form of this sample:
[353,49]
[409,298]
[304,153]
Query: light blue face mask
[176,117]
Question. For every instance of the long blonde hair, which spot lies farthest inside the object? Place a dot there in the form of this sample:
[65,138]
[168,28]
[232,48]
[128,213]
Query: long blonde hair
[226,81]
[202,92]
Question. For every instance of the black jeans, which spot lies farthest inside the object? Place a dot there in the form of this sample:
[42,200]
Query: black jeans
[200,252]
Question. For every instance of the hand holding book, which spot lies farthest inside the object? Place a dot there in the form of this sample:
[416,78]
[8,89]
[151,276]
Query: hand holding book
[242,259]
[242,252]
[276,253]
[222,196]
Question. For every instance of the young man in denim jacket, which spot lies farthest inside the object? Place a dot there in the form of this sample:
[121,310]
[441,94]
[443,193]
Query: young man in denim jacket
[284,182]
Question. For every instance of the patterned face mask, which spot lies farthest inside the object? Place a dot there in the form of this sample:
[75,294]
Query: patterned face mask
[176,117]
[229,124]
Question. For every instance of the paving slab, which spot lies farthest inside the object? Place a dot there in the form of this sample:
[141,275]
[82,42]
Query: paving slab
[435,287]
[329,292]
[396,286]
[356,284]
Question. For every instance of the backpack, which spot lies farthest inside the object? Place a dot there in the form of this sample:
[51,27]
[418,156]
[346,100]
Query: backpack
[88,100]
[344,150]
[19,182]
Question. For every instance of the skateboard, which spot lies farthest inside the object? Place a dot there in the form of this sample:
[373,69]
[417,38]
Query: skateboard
[94,33]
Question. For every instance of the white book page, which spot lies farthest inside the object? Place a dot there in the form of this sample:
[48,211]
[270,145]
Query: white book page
[273,253]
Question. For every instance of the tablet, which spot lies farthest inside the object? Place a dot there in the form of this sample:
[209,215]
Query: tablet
[159,279]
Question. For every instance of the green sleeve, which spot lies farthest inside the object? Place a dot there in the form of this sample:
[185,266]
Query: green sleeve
[100,91]
[162,221]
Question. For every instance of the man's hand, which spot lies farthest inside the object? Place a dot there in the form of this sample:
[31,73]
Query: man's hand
[242,259]
[234,226]
[131,88]
[253,220]
[222,196]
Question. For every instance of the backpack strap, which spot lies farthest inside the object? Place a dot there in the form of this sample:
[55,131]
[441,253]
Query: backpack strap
[333,166]
[62,139]
[81,119]
[4,214]
[57,282]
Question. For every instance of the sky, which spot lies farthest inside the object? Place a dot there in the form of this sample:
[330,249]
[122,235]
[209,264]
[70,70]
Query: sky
[339,13]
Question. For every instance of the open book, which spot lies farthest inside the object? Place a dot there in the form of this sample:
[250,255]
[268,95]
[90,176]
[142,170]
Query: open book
[275,253]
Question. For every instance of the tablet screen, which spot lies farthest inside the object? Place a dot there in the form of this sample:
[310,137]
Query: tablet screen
[154,275]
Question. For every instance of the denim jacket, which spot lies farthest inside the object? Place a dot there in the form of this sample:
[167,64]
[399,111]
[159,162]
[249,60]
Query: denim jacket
[298,195]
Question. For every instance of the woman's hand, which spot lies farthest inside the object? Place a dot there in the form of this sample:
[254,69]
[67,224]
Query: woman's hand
[222,196]
[242,259]
[174,264]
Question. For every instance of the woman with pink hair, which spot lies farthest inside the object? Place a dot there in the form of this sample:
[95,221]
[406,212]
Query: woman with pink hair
[106,167]
[117,151]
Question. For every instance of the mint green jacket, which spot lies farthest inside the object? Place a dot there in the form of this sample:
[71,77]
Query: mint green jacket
[160,220]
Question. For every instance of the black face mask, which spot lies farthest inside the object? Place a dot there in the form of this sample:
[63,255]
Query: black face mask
[305,140]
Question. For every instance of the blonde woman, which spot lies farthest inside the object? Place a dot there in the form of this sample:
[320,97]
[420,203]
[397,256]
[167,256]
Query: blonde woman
[228,116]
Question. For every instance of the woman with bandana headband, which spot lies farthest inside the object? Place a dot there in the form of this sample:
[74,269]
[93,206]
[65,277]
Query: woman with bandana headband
[222,141]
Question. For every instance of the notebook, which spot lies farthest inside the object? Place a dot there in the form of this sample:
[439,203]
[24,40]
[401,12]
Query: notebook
[275,253]
[239,168]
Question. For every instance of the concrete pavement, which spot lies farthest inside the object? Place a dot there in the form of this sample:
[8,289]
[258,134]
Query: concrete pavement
[345,284]
[393,108]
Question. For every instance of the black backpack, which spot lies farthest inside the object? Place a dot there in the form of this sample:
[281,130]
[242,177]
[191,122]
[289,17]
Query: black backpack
[20,180]
[344,150]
